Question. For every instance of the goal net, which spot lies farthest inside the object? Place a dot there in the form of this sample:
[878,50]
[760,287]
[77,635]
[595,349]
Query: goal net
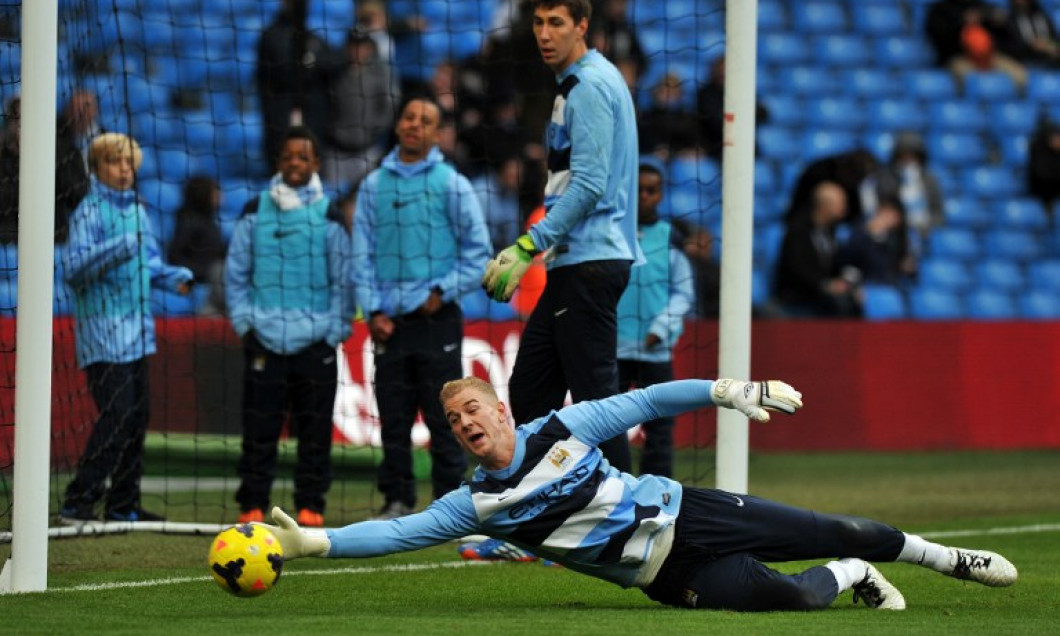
[206,87]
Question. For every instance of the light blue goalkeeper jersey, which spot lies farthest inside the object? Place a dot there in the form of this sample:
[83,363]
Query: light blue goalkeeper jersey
[559,498]
[591,194]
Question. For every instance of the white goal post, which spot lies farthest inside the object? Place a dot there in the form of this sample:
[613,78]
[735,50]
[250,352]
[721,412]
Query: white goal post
[27,569]
[737,206]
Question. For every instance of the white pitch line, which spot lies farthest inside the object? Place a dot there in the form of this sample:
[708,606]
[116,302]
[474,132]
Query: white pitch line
[419,567]
[943,534]
[410,567]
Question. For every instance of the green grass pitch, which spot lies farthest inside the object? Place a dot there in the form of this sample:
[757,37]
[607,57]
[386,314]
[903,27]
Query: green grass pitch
[144,583]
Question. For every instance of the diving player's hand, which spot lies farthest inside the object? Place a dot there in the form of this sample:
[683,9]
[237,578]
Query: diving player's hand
[754,398]
[297,542]
[504,272]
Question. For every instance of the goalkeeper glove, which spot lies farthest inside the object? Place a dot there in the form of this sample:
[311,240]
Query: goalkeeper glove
[753,398]
[504,272]
[297,542]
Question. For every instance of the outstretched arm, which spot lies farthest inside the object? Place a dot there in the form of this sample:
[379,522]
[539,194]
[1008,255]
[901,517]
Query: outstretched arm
[448,518]
[598,420]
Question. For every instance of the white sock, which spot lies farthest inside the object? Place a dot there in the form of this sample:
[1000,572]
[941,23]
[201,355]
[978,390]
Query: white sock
[920,551]
[847,572]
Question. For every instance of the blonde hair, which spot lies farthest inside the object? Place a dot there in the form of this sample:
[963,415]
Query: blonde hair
[112,143]
[452,387]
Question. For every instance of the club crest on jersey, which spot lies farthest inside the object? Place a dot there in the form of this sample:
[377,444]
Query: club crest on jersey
[560,457]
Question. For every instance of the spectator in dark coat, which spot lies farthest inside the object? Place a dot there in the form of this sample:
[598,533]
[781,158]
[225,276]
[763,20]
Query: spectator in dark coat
[293,77]
[808,281]
[1030,36]
[197,242]
[847,169]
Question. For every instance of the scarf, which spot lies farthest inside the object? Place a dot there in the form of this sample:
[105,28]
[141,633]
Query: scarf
[287,198]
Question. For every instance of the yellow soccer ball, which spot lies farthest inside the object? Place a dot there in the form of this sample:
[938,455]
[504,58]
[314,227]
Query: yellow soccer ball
[246,560]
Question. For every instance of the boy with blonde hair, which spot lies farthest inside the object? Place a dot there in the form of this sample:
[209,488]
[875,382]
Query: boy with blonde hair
[112,262]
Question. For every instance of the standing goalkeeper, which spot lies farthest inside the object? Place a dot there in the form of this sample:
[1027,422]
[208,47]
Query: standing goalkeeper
[589,232]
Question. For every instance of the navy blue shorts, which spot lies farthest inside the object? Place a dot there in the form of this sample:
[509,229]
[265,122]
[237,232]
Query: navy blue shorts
[721,540]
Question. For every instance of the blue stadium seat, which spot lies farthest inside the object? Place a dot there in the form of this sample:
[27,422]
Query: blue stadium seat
[929,84]
[11,54]
[8,260]
[957,115]
[1019,245]
[884,302]
[879,142]
[1038,304]
[945,274]
[1022,214]
[175,164]
[990,86]
[821,143]
[956,149]
[841,50]
[785,109]
[953,243]
[1017,117]
[1044,275]
[767,208]
[903,51]
[782,49]
[967,213]
[766,247]
[871,83]
[927,303]
[1043,87]
[992,182]
[8,297]
[653,40]
[810,81]
[1015,149]
[894,114]
[999,274]
[781,144]
[695,170]
[990,304]
[765,177]
[878,18]
[772,15]
[161,198]
[818,16]
[834,113]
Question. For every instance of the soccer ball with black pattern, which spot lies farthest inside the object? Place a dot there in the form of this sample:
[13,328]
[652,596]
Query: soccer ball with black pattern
[246,560]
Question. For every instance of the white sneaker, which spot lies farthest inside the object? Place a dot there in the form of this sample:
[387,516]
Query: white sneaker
[877,592]
[981,566]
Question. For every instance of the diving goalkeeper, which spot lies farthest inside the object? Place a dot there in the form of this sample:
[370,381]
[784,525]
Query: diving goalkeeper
[546,488]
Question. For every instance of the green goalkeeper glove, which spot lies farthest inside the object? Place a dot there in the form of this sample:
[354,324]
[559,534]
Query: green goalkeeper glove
[504,272]
[753,398]
[297,542]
